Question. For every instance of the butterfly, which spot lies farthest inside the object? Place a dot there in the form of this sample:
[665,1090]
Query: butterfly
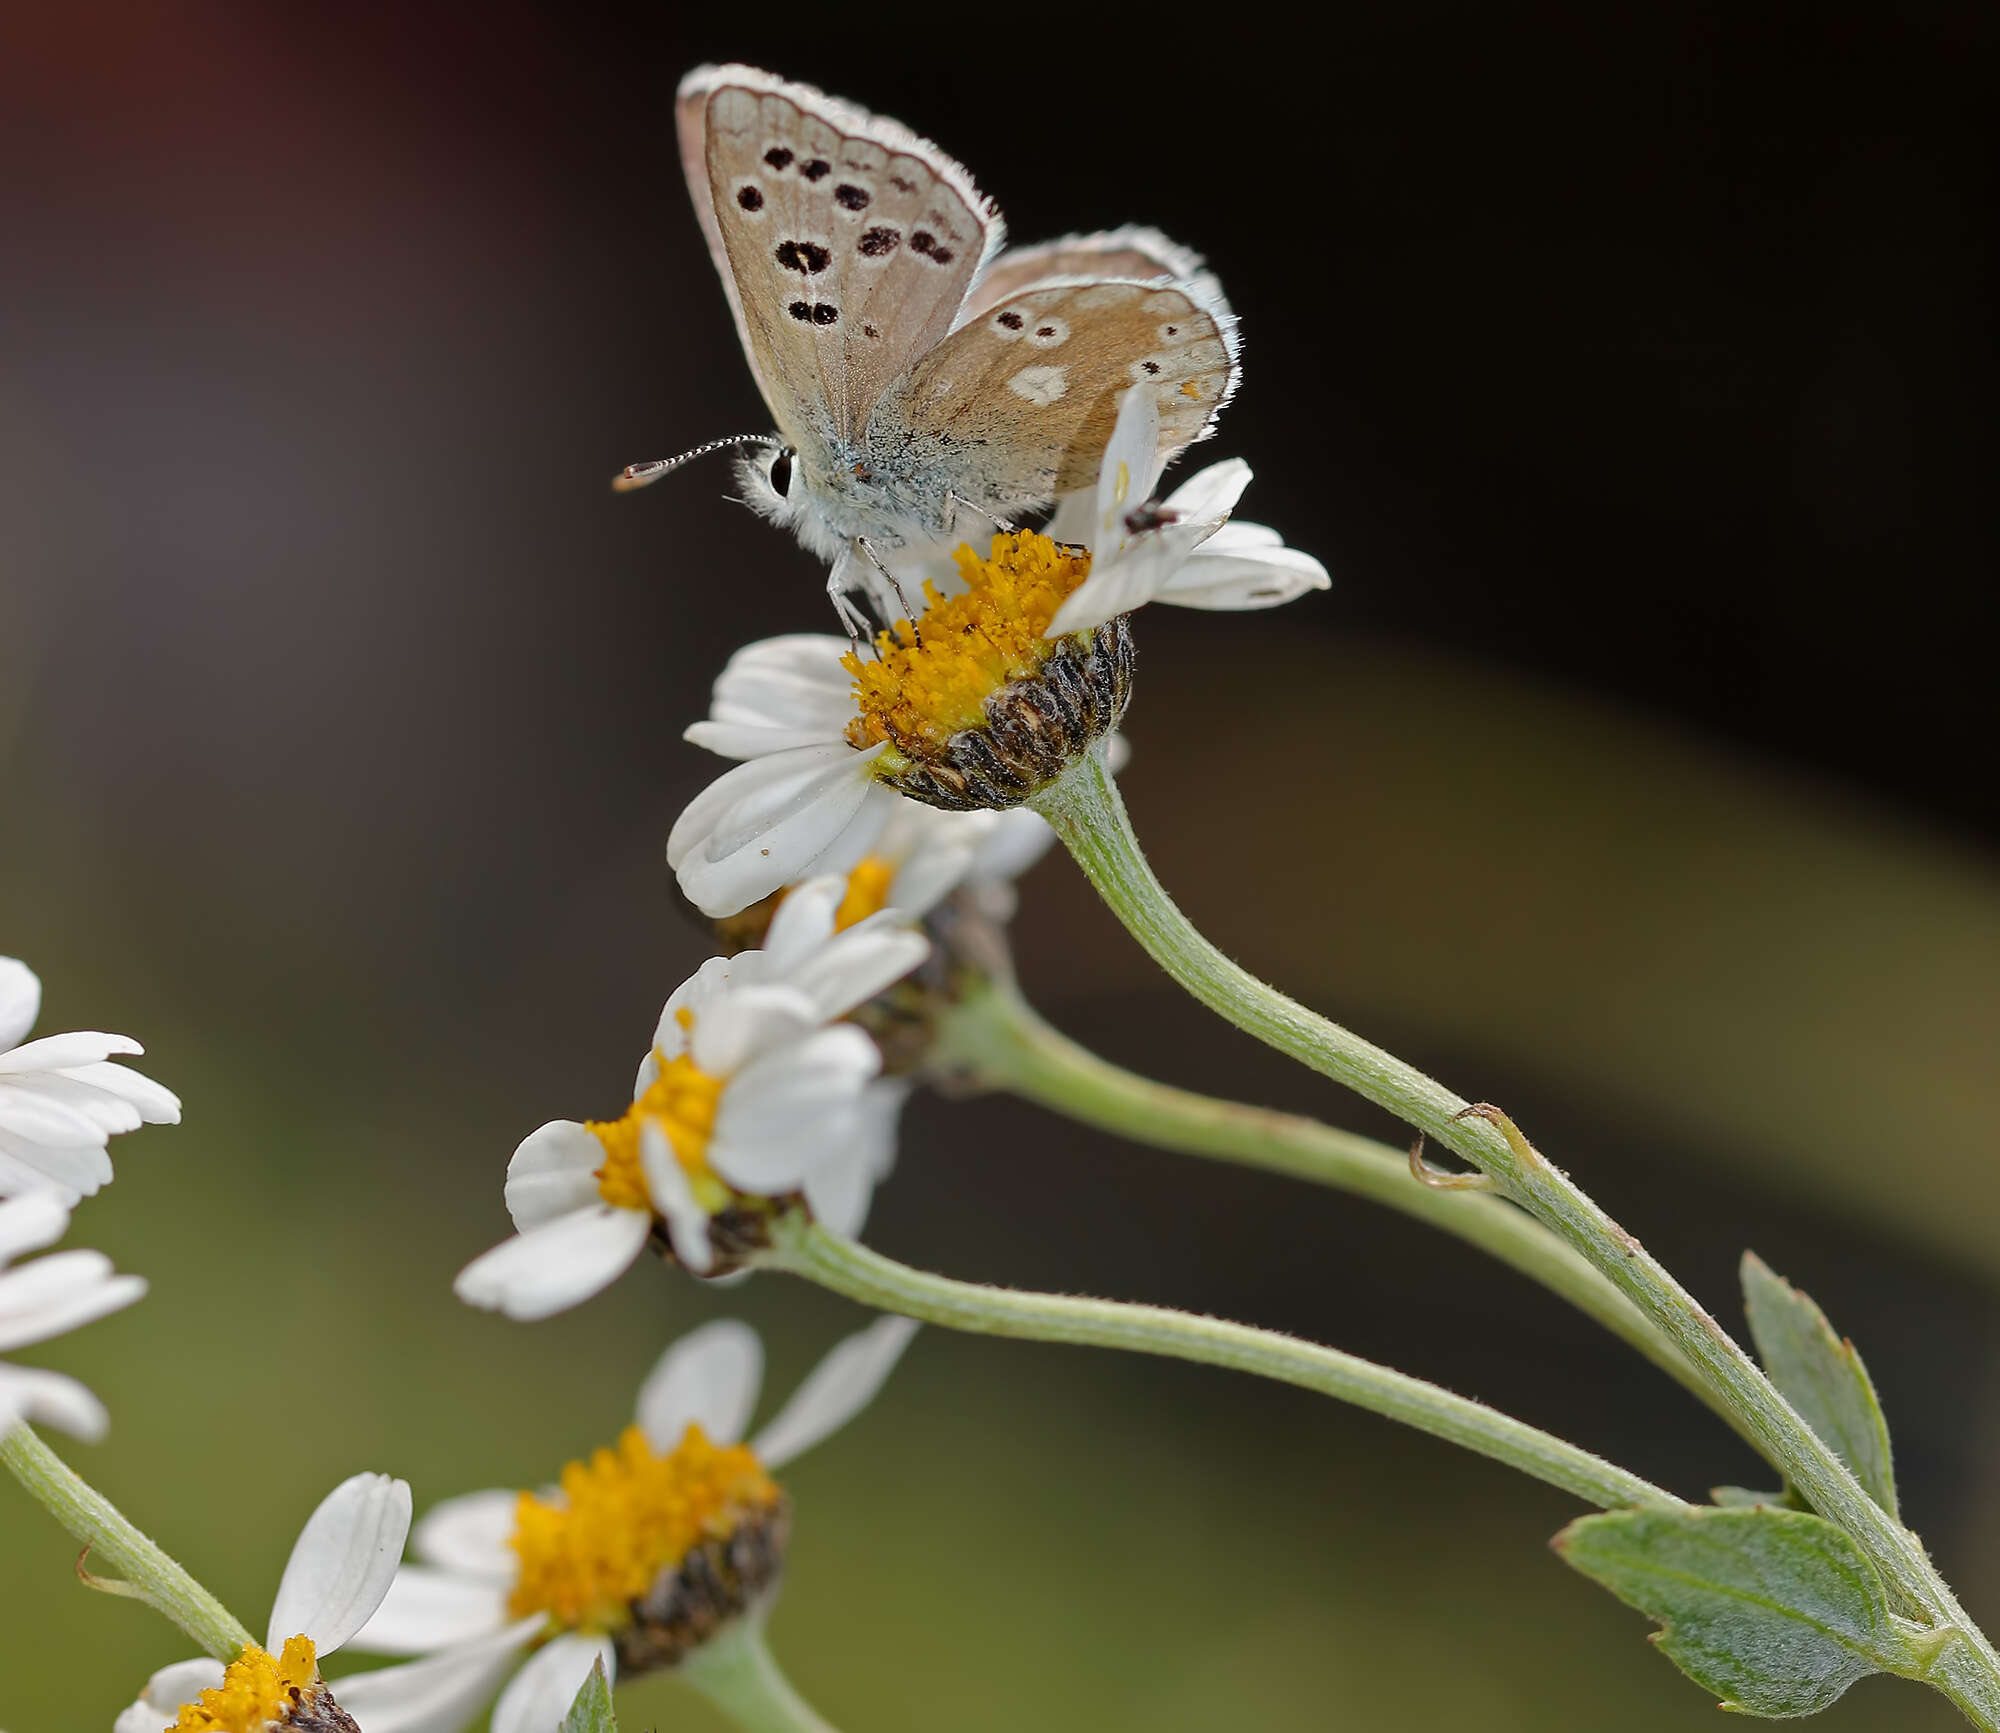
[917,372]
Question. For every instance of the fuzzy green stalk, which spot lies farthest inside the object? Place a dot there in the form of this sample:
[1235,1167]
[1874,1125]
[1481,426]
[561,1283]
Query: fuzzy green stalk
[145,1572]
[995,1039]
[806,1249]
[1087,812]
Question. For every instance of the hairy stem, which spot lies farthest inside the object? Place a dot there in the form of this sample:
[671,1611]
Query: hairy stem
[997,1040]
[1087,812]
[736,1671]
[808,1250]
[112,1540]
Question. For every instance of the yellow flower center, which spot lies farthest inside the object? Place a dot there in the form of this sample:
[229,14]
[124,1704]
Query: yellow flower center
[931,680]
[681,1101]
[867,891]
[624,1517]
[258,1691]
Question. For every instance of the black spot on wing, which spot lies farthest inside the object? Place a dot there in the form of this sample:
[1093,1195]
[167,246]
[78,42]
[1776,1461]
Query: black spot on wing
[851,198]
[878,243]
[807,258]
[923,241]
[816,170]
[778,157]
[750,198]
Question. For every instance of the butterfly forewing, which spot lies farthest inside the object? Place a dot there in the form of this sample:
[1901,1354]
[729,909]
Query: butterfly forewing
[1019,402]
[847,243]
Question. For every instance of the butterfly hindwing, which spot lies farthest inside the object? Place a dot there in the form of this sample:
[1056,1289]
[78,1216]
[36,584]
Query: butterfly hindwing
[847,244]
[1134,253]
[1016,405]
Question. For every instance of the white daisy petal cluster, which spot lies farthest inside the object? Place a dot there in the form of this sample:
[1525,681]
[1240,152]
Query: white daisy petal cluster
[803,800]
[752,1089]
[341,1566]
[1185,549]
[471,1604]
[48,1298]
[63,1098]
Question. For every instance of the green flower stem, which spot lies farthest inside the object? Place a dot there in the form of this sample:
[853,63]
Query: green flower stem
[735,1671]
[1087,812]
[997,1040]
[806,1249]
[98,1523]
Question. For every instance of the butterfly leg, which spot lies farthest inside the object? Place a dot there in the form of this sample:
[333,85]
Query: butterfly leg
[857,623]
[889,577]
[954,501]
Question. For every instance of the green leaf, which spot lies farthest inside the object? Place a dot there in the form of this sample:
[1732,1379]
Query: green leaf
[1775,1611]
[592,1711]
[1821,1376]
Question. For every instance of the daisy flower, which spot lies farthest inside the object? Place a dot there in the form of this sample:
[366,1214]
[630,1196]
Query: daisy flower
[644,1550]
[46,1298]
[1022,659]
[750,1092]
[62,1099]
[340,1568]
[1184,549]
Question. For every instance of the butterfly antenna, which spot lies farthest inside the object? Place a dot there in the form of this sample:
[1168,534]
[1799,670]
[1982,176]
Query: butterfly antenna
[638,475]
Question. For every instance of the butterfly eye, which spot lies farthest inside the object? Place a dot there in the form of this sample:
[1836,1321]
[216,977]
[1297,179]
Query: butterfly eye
[781,474]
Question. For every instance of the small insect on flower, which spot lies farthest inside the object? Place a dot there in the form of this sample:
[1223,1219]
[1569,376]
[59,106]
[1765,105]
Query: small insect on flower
[49,1298]
[751,1094]
[642,1552]
[340,1568]
[62,1098]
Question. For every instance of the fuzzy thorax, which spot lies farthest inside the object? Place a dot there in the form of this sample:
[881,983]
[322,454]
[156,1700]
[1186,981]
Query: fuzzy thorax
[978,706]
[634,1538]
[261,1692]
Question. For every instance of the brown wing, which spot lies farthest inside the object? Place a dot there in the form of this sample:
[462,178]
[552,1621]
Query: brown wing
[1016,407]
[1133,253]
[847,243]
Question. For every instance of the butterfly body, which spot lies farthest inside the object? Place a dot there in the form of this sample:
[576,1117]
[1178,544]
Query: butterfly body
[923,381]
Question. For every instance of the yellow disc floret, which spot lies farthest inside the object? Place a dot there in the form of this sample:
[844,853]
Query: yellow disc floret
[682,1102]
[257,1692]
[623,1518]
[867,891]
[931,680]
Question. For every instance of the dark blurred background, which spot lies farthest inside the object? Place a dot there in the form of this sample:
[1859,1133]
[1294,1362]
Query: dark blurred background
[1632,373]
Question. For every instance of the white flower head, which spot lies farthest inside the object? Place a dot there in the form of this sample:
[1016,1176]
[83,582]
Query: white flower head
[341,1566]
[750,1091]
[1184,549]
[48,1298]
[63,1098]
[503,1573]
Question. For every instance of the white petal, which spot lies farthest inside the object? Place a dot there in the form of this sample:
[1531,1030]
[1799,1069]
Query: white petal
[673,1197]
[54,1399]
[75,1172]
[36,1116]
[840,1188]
[751,1020]
[1012,845]
[1074,522]
[932,872]
[694,996]
[1245,576]
[842,1384]
[470,1534]
[157,1104]
[762,824]
[791,1109]
[167,1692]
[790,684]
[343,1563]
[20,1001]
[58,1052]
[110,1114]
[31,1222]
[553,1173]
[1210,495]
[1140,573]
[544,1689]
[804,921]
[427,1610]
[438,1695]
[1125,477]
[557,1265]
[708,1378]
[60,1293]
[852,968]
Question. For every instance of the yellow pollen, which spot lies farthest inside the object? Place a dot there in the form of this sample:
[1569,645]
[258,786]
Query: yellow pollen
[932,680]
[867,891]
[682,1102]
[1124,483]
[624,1517]
[257,1692]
